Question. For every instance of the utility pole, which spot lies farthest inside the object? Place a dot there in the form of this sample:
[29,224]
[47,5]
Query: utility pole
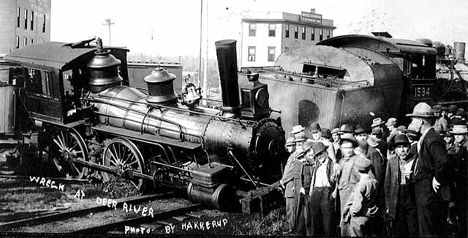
[109,22]
[201,43]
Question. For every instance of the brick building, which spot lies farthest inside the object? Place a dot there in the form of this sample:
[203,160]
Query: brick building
[266,35]
[23,22]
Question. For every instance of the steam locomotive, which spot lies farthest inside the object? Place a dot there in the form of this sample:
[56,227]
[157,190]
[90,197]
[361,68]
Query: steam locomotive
[88,119]
[354,78]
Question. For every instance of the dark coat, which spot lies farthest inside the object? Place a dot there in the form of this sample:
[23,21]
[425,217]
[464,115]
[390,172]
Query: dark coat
[378,162]
[432,161]
[392,185]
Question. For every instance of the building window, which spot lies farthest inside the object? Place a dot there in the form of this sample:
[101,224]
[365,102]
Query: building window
[18,17]
[26,19]
[328,34]
[303,32]
[252,29]
[271,29]
[17,42]
[271,54]
[321,35]
[32,41]
[312,34]
[251,52]
[296,29]
[287,31]
[25,41]
[32,20]
[44,24]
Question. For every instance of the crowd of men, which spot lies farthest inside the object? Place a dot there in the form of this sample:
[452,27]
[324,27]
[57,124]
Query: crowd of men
[383,179]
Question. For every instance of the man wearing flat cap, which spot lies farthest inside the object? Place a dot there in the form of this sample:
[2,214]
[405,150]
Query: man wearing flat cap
[430,173]
[400,205]
[461,192]
[323,184]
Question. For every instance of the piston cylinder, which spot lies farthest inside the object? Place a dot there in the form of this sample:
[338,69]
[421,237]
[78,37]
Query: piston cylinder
[227,63]
[221,198]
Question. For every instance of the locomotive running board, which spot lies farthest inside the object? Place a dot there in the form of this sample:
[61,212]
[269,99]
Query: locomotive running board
[146,138]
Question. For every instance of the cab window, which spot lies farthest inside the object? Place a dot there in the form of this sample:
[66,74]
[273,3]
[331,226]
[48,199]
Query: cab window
[39,82]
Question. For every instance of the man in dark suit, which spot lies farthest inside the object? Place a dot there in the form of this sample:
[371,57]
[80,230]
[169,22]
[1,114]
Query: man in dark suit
[399,197]
[430,173]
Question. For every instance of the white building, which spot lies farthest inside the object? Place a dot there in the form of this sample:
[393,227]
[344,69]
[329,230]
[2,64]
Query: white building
[266,35]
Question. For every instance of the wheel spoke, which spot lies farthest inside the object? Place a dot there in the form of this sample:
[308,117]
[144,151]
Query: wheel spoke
[58,144]
[113,153]
[77,169]
[114,159]
[132,162]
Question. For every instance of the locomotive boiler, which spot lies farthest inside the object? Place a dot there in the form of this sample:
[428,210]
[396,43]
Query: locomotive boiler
[90,120]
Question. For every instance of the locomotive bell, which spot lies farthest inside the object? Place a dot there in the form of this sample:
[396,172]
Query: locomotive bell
[160,86]
[104,70]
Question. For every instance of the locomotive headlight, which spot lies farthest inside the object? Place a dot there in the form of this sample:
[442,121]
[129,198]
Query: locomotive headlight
[261,97]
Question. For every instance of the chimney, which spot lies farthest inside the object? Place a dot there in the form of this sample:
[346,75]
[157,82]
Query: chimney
[227,63]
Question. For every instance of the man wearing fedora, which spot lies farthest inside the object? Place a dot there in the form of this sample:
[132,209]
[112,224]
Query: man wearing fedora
[461,193]
[430,173]
[348,176]
[287,182]
[379,123]
[391,125]
[323,183]
[376,135]
[400,205]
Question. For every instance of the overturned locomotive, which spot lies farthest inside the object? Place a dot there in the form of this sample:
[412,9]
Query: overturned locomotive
[353,78]
[89,119]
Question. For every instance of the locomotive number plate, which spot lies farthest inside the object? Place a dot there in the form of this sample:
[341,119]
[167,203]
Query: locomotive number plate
[423,91]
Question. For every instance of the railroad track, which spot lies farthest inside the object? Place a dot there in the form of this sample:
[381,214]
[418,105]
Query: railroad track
[8,226]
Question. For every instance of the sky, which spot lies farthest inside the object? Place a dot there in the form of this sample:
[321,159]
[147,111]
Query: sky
[173,27]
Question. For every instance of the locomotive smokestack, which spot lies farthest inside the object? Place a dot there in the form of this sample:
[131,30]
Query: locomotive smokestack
[459,51]
[227,63]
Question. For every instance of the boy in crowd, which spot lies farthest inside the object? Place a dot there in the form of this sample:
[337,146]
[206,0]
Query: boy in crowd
[361,208]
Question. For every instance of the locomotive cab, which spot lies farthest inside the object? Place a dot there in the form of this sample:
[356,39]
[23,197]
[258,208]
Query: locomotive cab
[53,80]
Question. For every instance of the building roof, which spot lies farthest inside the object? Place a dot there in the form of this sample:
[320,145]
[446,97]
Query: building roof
[258,20]
[382,44]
